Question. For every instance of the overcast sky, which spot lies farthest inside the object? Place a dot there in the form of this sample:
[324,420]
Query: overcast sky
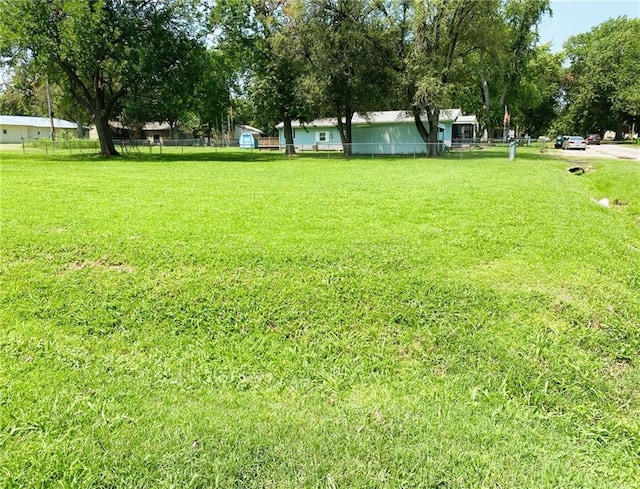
[572,17]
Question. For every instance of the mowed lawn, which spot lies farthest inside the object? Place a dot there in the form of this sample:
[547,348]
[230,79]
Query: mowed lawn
[243,320]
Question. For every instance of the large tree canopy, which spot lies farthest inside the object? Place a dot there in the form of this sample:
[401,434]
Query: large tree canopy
[602,83]
[344,44]
[261,37]
[101,50]
[142,60]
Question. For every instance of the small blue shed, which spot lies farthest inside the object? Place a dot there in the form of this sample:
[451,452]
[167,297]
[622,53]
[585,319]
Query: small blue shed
[248,141]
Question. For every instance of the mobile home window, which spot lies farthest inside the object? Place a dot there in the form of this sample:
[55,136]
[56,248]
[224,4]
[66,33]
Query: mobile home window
[322,137]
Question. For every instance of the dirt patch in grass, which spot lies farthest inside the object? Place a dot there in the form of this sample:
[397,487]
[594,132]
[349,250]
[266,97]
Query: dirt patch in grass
[616,368]
[103,263]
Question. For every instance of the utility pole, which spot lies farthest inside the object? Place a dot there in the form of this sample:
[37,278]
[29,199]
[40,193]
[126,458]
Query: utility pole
[53,128]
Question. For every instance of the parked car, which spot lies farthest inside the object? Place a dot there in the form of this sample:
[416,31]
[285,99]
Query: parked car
[594,139]
[574,142]
[558,141]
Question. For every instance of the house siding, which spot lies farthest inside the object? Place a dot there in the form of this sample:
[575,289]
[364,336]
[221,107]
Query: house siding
[13,134]
[18,134]
[16,129]
[401,138]
[387,132]
[306,138]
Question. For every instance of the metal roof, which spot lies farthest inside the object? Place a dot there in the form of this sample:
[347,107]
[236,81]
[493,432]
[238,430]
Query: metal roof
[248,128]
[466,119]
[29,121]
[382,117]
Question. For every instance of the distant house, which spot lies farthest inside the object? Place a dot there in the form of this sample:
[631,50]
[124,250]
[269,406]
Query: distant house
[16,128]
[161,131]
[388,132]
[154,132]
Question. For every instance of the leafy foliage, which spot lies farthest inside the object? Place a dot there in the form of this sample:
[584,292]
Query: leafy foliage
[261,39]
[100,51]
[344,43]
[602,89]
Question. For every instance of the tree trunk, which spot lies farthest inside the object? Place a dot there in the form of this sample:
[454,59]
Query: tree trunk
[424,133]
[486,105]
[434,144]
[429,136]
[107,147]
[288,137]
[345,135]
[348,128]
[79,126]
[345,128]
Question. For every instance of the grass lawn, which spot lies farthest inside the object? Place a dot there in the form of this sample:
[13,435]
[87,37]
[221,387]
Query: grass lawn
[242,320]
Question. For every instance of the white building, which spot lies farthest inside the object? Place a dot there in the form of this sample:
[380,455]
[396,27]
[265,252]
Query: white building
[17,128]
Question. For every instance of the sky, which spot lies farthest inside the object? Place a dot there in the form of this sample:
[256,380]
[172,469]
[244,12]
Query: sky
[571,17]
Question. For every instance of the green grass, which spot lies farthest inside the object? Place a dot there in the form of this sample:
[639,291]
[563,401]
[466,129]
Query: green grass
[238,319]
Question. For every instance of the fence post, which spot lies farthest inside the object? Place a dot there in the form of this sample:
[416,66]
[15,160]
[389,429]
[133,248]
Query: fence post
[23,149]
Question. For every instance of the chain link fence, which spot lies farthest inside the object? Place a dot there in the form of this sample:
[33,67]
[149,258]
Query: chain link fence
[459,148]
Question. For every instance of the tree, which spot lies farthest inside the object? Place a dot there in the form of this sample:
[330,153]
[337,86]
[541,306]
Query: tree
[506,50]
[344,43]
[210,105]
[535,99]
[172,101]
[25,94]
[448,32]
[99,50]
[602,89]
[261,36]
[433,41]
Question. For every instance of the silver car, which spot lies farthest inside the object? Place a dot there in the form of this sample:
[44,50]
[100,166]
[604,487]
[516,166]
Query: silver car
[574,142]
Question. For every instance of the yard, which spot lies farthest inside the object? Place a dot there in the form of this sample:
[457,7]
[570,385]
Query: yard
[237,319]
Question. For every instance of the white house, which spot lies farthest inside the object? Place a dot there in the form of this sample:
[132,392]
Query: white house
[386,132]
[17,128]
